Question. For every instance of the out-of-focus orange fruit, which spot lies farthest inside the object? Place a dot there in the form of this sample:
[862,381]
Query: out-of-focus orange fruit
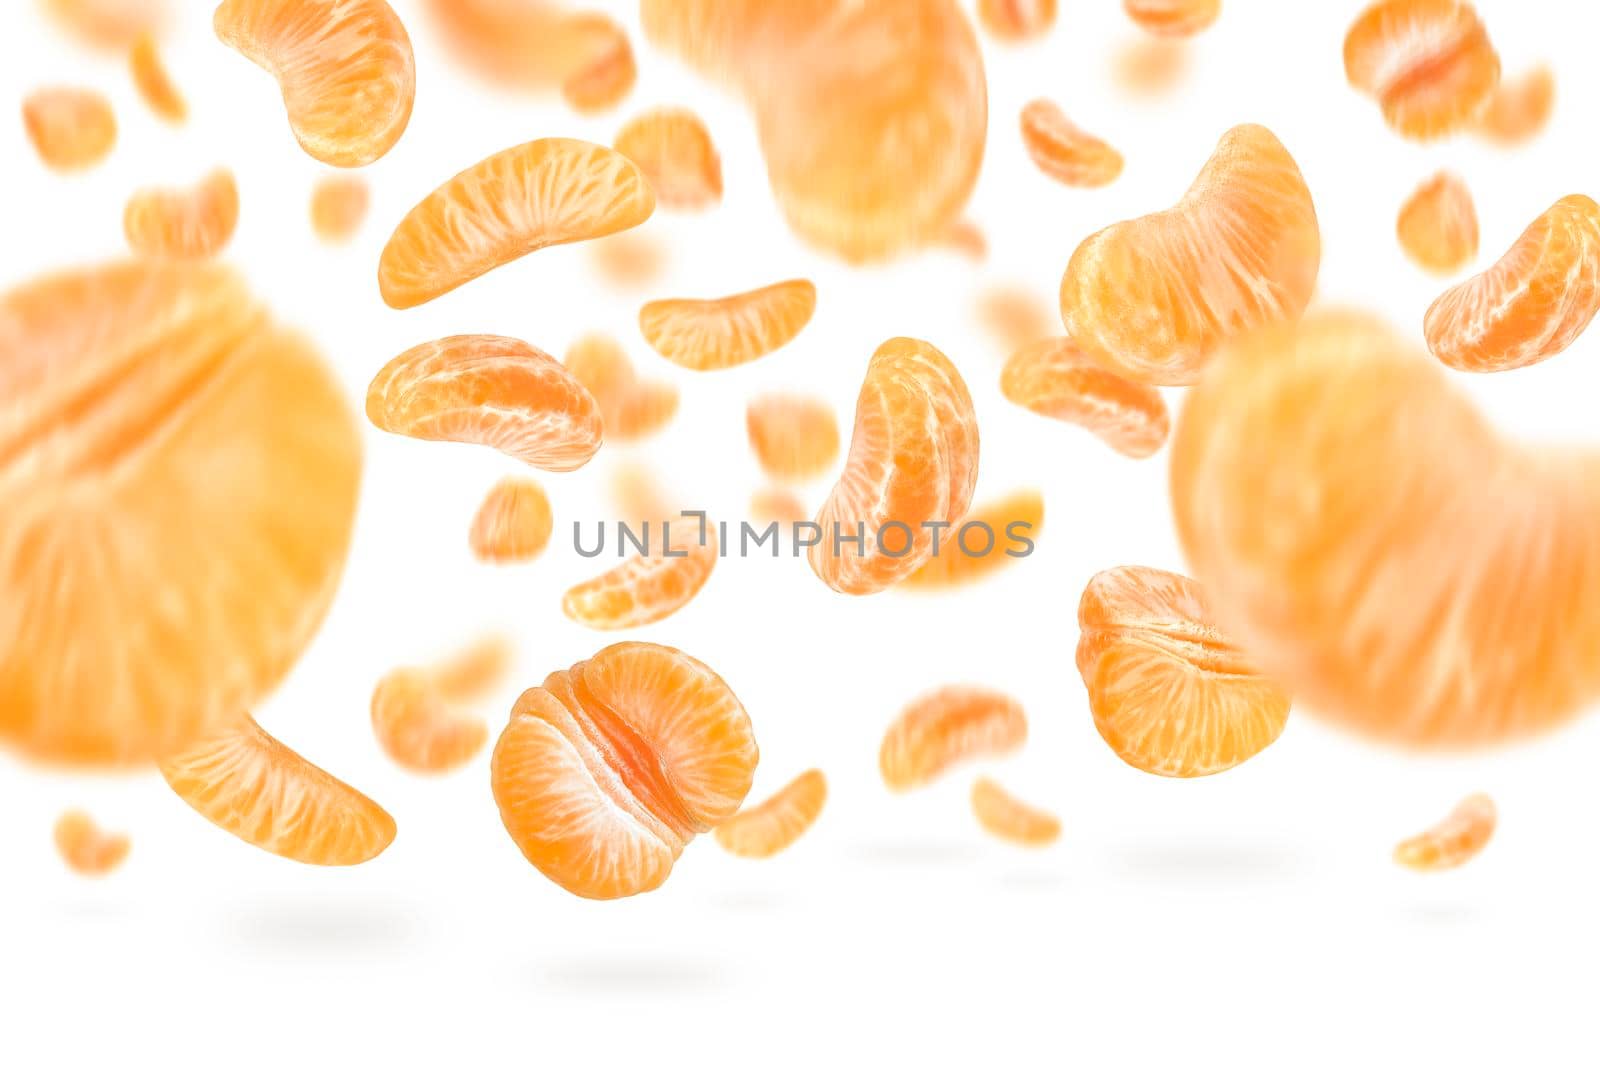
[71,129]
[111,25]
[946,727]
[1017,20]
[1438,226]
[630,260]
[631,407]
[794,437]
[87,849]
[186,224]
[530,45]
[513,523]
[607,73]
[415,713]
[982,543]
[651,586]
[636,491]
[1016,316]
[1054,378]
[1150,66]
[712,335]
[1063,151]
[339,207]
[155,85]
[777,504]
[474,671]
[769,828]
[1008,819]
[1519,108]
[1173,18]
[1428,63]
[1455,840]
[673,148]
[966,237]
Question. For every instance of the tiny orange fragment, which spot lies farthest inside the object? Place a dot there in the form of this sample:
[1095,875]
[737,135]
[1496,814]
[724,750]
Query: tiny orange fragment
[1455,840]
[1063,151]
[1009,819]
[150,77]
[71,129]
[338,207]
[775,824]
[87,849]
[1438,225]
[946,727]
[513,523]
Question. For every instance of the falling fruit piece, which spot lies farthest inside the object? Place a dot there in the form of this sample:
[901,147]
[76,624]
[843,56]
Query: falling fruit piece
[1438,225]
[673,148]
[607,73]
[1428,63]
[1150,66]
[1009,819]
[946,727]
[1063,151]
[630,407]
[1014,21]
[1016,316]
[1519,108]
[513,524]
[775,504]
[87,849]
[338,207]
[185,224]
[1452,842]
[474,671]
[71,129]
[651,586]
[630,260]
[1055,379]
[417,726]
[794,437]
[1173,18]
[966,237]
[527,45]
[155,85]
[767,829]
[985,541]
[713,335]
[110,25]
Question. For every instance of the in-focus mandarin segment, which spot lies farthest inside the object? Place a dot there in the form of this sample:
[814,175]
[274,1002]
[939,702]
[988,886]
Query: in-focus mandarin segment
[1153,297]
[630,260]
[264,793]
[1013,21]
[794,437]
[86,848]
[1170,692]
[1009,819]
[631,407]
[547,192]
[712,335]
[1055,379]
[338,207]
[607,73]
[674,150]
[1147,67]
[419,727]
[769,828]
[946,727]
[1438,225]
[1015,316]
[513,524]
[912,464]
[527,45]
[155,85]
[872,116]
[187,224]
[777,504]
[1428,63]
[611,767]
[178,477]
[1519,108]
[488,390]
[1404,569]
[1173,18]
[71,129]
[985,541]
[1452,842]
[1532,304]
[665,576]
[344,67]
[110,25]
[1063,151]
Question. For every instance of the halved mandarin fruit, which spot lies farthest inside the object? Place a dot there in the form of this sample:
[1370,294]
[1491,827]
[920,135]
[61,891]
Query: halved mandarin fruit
[111,25]
[488,390]
[611,767]
[673,148]
[419,728]
[630,260]
[1017,20]
[186,224]
[1532,304]
[1452,842]
[1055,379]
[155,85]
[1009,819]
[606,74]
[1173,18]
[985,541]
[1428,63]
[344,67]
[912,465]
[155,581]
[651,586]
[1063,151]
[794,437]
[1519,108]
[71,129]
[513,523]
[945,727]
[712,335]
[1015,316]
[87,849]
[767,829]
[1438,225]
[631,407]
[338,207]
[1153,297]
[264,793]
[777,504]
[1170,692]
[547,192]
[1150,66]
[531,45]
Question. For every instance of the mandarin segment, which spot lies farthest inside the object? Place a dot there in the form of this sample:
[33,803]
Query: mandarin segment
[86,848]
[418,727]
[475,670]
[1428,63]
[1148,67]
[1438,225]
[528,45]
[946,727]
[630,407]
[1014,21]
[1016,316]
[1009,819]
[674,150]
[607,73]
[188,224]
[650,586]
[1453,841]
[71,129]
[339,207]
[713,335]
[513,524]
[630,260]
[1055,379]
[794,437]
[1519,108]
[1173,18]
[1063,151]
[110,25]
[985,541]
[777,504]
[155,85]
[767,829]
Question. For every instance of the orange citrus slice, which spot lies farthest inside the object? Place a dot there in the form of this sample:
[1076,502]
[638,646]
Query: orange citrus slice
[1147,67]
[419,726]
[1429,64]
[608,70]
[1055,379]
[1010,820]
[794,437]
[1173,18]
[524,44]
[1438,225]
[712,335]
[673,148]
[87,849]
[191,224]
[1013,21]
[764,830]
[1455,840]
[71,129]
[155,85]
[513,523]
[1063,151]
[338,207]
[1519,108]
[1016,316]
[111,25]
[650,586]
[946,727]
[630,407]
[985,541]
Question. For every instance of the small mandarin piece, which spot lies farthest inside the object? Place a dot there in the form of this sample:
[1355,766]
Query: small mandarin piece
[966,237]
[1055,379]
[1519,108]
[1003,816]
[636,492]
[547,192]
[673,148]
[1153,297]
[1173,18]
[178,477]
[712,335]
[475,671]
[794,437]
[946,727]
[1438,225]
[872,116]
[513,523]
[1532,304]
[419,727]
[1017,20]
[186,224]
[71,129]
[1063,151]
[1170,693]
[155,85]
[630,260]
[776,504]
[912,464]
[488,390]
[1452,842]
[264,793]
[1150,66]
[111,25]
[611,767]
[982,543]
[339,207]
[631,407]
[344,67]
[1404,569]
[769,828]
[531,45]
[1016,316]
[607,74]
[87,849]
[1428,63]
[650,586]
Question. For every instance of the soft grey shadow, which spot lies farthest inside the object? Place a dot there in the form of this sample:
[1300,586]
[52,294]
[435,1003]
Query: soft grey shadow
[1041,881]
[633,975]
[1441,913]
[751,901]
[324,927]
[90,911]
[915,854]
[1213,863]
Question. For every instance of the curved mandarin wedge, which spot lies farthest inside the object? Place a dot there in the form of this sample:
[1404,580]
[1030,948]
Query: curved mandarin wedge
[1171,694]
[1063,151]
[713,335]
[1148,67]
[529,45]
[186,224]
[154,585]
[777,504]
[548,192]
[912,464]
[983,543]
[611,767]
[339,207]
[1014,21]
[1519,108]
[344,67]
[607,72]
[946,727]
[418,727]
[1152,298]
[487,390]
[630,407]
[872,117]
[87,849]
[1532,304]
[264,793]
[1173,18]
[111,25]
[1015,316]
[767,829]
[1438,225]
[513,524]
[1428,63]
[648,587]
[1055,379]
[674,150]
[1455,840]
[71,129]
[794,437]
[155,85]
[1009,819]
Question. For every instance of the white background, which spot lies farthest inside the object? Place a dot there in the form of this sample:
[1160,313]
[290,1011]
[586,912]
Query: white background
[1254,917]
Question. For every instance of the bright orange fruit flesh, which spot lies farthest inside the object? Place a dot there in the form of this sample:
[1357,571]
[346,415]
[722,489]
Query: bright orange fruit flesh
[1170,692]
[1009,819]
[1173,18]
[1428,63]
[155,583]
[764,830]
[611,767]
[1055,379]
[155,85]
[547,192]
[982,543]
[1063,151]
[673,148]
[712,335]
[649,586]
[1403,569]
[1015,316]
[946,727]
[344,67]
[488,390]
[913,462]
[338,207]
[513,524]
[872,117]
[530,45]
[71,129]
[1152,298]
[607,75]
[192,224]
[1532,304]
[87,849]
[630,407]
[794,437]
[419,728]
[1438,225]
[1519,108]
[1452,842]
[111,25]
